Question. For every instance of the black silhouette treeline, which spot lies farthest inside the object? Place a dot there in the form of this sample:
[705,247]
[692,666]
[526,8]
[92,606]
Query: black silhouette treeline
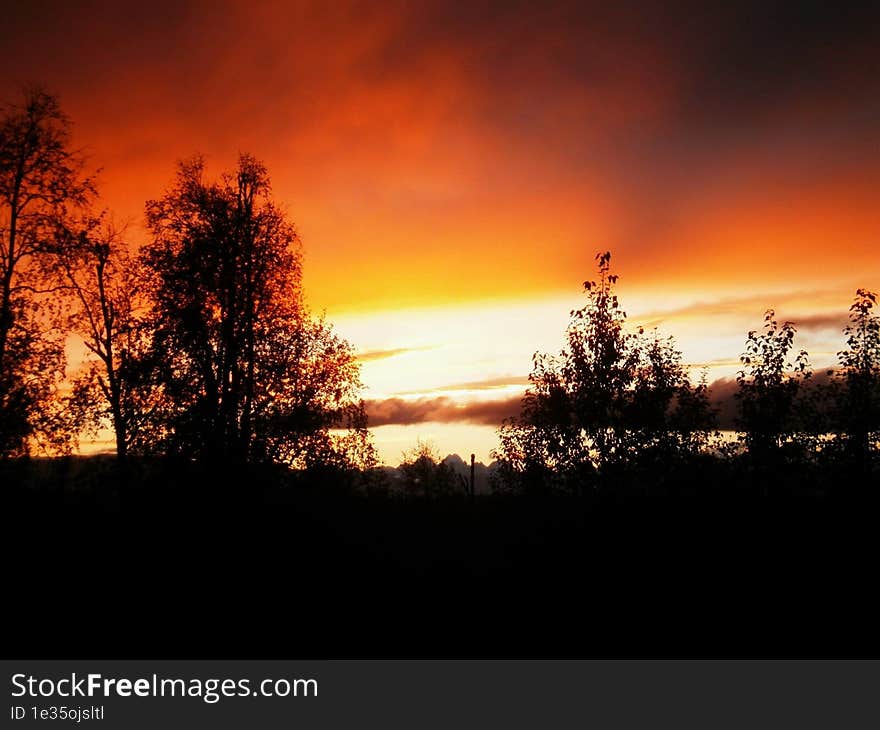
[616,410]
[202,345]
[244,510]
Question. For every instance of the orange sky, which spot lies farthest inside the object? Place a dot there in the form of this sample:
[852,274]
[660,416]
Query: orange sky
[446,163]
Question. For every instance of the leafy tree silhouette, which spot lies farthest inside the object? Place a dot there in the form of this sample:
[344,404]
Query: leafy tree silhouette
[671,420]
[244,372]
[858,403]
[610,400]
[425,475]
[769,384]
[41,178]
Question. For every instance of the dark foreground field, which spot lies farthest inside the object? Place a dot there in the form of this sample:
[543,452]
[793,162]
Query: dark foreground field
[186,563]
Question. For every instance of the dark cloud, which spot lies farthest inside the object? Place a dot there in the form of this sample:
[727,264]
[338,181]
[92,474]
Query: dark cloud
[398,411]
[707,59]
[722,396]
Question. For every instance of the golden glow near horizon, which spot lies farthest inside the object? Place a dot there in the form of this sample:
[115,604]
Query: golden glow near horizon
[447,374]
[444,368]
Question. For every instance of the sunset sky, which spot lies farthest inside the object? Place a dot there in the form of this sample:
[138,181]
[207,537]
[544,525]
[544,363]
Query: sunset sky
[453,168]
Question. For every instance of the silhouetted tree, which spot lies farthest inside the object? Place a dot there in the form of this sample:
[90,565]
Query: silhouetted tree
[308,388]
[694,418]
[106,288]
[858,411]
[599,369]
[425,475]
[669,419]
[356,452]
[245,373]
[609,401]
[769,387]
[41,178]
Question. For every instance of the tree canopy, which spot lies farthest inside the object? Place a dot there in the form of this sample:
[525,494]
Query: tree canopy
[41,181]
[244,372]
[609,400]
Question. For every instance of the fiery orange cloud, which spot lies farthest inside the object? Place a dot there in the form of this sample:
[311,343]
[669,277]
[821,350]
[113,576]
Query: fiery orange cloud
[474,157]
[435,154]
